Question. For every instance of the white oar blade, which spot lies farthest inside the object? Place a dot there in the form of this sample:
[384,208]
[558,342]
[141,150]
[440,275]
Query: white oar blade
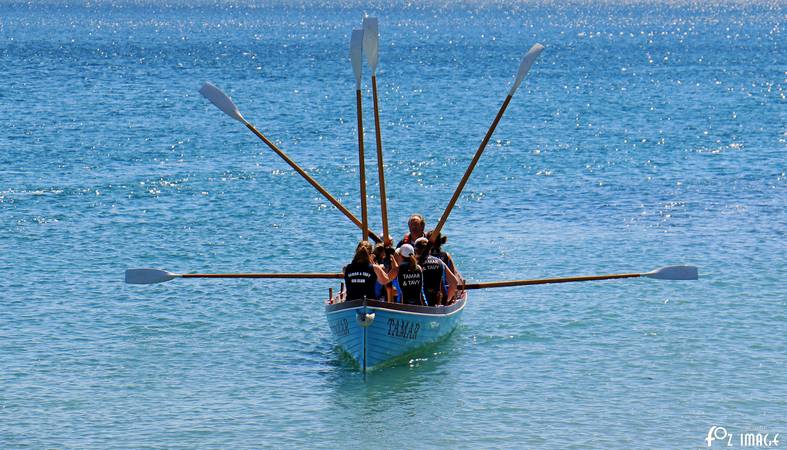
[674,273]
[356,51]
[524,67]
[371,41]
[148,276]
[221,101]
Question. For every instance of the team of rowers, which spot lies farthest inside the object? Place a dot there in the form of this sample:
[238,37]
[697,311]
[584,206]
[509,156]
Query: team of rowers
[413,274]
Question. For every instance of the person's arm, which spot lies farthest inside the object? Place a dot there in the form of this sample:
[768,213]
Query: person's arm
[453,281]
[398,258]
[382,277]
[452,266]
[394,272]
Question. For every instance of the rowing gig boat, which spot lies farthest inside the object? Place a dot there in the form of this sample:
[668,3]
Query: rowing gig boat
[377,333]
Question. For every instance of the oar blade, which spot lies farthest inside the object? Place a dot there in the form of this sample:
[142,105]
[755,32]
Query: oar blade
[356,51]
[221,101]
[148,276]
[524,67]
[674,273]
[371,41]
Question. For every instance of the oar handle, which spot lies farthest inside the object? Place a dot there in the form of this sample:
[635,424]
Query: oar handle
[262,275]
[496,284]
[311,180]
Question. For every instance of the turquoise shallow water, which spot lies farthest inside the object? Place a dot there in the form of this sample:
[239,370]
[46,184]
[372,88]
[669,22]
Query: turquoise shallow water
[645,135]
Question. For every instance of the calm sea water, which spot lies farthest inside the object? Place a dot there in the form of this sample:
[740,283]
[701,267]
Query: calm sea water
[647,134]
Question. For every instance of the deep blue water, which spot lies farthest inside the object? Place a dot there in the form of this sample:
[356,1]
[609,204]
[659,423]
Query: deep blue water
[647,134]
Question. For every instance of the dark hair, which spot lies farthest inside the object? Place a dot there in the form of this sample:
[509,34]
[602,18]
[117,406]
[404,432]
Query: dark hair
[420,219]
[418,255]
[419,216]
[379,252]
[419,251]
[362,253]
[437,242]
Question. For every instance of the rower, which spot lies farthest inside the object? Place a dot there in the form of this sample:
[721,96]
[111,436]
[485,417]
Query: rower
[417,225]
[437,250]
[410,277]
[439,281]
[383,256]
[363,273]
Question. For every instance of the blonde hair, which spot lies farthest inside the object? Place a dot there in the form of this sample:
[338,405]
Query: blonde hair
[362,253]
[414,263]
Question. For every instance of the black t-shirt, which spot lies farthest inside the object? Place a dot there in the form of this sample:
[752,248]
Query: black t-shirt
[444,258]
[410,284]
[433,278]
[360,280]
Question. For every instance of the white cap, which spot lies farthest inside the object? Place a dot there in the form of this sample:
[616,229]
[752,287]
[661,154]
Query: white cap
[405,250]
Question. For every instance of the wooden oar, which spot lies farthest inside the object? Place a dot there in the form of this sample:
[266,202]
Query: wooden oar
[356,48]
[524,67]
[370,48]
[151,276]
[665,273]
[223,102]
